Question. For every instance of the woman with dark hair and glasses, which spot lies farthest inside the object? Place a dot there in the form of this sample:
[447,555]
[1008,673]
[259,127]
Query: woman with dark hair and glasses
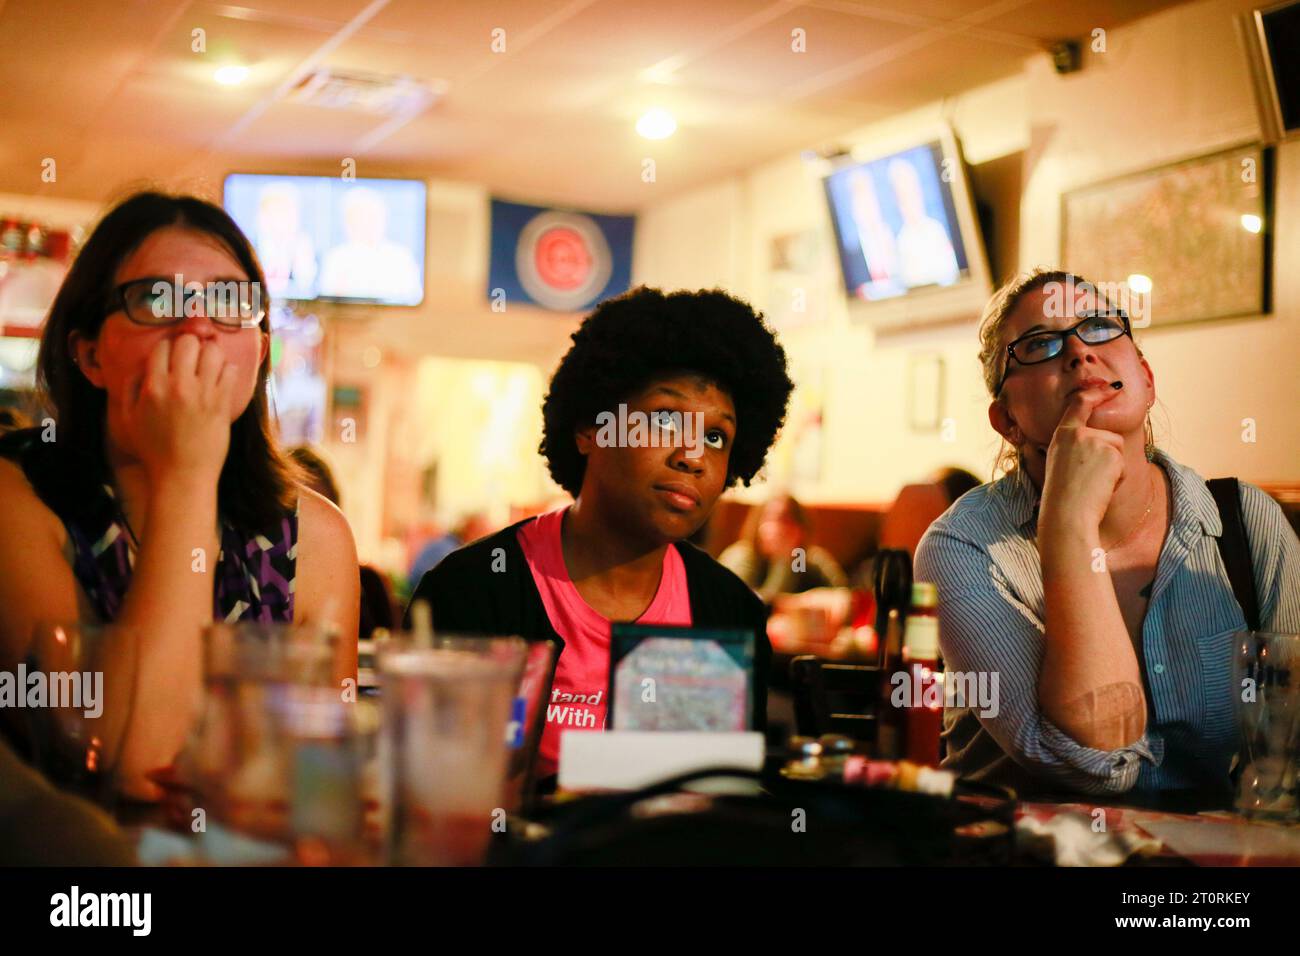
[160,498]
[1090,578]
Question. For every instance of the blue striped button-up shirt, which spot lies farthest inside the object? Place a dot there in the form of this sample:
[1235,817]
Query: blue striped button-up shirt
[982,555]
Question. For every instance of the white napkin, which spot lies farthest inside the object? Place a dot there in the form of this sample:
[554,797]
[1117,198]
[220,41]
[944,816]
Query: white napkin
[1069,840]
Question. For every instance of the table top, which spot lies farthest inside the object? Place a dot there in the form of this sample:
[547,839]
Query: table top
[1214,838]
[1083,833]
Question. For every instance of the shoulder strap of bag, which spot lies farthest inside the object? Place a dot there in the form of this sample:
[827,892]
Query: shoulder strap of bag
[1235,548]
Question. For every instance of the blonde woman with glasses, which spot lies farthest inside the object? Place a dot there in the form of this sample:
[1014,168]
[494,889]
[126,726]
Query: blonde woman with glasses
[1092,577]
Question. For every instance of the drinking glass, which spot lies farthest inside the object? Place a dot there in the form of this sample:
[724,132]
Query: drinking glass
[1266,680]
[276,756]
[445,710]
[75,693]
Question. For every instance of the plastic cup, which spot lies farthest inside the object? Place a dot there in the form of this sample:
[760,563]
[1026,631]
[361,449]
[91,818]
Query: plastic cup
[1267,684]
[443,745]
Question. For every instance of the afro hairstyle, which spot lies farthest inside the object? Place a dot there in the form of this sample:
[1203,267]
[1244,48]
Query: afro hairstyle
[643,335]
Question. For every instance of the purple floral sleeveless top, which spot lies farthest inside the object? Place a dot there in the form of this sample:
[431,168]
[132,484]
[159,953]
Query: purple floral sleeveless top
[254,573]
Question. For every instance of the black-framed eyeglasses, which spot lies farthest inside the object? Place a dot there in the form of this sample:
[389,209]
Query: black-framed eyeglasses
[158,301]
[1093,328]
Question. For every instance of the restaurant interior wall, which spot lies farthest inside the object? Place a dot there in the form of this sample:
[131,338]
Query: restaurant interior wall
[1170,86]
[1176,85]
[437,439]
[868,449]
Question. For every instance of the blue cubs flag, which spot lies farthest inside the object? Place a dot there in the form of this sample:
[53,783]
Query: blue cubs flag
[558,259]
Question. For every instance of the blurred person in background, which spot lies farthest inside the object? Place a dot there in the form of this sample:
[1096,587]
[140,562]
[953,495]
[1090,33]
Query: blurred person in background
[377,607]
[955,482]
[284,248]
[164,453]
[879,248]
[469,529]
[766,556]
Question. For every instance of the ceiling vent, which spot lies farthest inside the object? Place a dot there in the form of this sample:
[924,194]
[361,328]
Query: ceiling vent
[367,92]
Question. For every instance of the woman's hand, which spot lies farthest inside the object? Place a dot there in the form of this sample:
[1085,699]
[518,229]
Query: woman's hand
[176,417]
[1083,467]
[1090,682]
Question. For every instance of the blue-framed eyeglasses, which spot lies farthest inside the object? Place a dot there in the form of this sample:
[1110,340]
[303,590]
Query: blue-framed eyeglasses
[1041,345]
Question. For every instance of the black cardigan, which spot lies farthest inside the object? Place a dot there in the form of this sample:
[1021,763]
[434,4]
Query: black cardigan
[487,588]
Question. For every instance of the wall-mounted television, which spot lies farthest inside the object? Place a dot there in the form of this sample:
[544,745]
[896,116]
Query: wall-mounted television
[328,238]
[1272,40]
[906,230]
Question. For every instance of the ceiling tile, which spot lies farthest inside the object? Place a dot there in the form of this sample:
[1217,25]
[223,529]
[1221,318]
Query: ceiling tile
[112,90]
[470,23]
[763,62]
[1046,21]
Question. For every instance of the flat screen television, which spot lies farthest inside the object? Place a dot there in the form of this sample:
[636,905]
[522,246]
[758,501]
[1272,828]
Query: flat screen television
[904,225]
[1274,48]
[327,238]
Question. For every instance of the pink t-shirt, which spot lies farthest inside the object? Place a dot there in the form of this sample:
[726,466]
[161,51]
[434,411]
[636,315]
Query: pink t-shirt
[578,696]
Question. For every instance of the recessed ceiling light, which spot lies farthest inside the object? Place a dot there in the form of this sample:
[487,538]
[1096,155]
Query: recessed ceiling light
[231,75]
[656,124]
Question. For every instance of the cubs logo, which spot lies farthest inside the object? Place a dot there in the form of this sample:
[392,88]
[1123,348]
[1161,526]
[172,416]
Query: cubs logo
[562,260]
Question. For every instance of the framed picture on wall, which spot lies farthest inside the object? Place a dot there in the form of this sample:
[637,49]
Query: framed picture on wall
[797,284]
[1190,241]
[926,384]
[798,459]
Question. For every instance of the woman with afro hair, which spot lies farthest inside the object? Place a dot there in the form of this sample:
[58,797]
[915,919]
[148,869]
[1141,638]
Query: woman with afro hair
[662,402]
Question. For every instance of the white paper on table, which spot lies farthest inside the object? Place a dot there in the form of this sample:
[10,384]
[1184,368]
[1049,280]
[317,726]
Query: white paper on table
[631,759]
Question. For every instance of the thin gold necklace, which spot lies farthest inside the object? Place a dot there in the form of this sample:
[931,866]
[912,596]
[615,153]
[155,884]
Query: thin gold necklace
[1143,520]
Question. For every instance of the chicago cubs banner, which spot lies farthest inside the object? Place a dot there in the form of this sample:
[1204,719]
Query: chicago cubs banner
[557,259]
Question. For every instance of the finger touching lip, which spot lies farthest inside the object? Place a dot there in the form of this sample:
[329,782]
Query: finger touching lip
[1089,384]
[1082,403]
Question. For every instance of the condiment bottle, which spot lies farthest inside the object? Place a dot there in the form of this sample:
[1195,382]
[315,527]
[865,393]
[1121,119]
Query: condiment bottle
[923,690]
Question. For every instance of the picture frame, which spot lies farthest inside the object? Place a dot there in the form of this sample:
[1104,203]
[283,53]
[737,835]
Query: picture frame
[926,392]
[1196,233]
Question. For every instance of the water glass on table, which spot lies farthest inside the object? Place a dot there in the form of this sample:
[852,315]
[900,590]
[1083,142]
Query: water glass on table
[445,710]
[277,755]
[1266,680]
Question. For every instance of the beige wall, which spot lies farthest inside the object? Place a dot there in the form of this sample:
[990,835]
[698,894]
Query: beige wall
[61,213]
[722,235]
[478,420]
[1171,86]
[1168,87]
